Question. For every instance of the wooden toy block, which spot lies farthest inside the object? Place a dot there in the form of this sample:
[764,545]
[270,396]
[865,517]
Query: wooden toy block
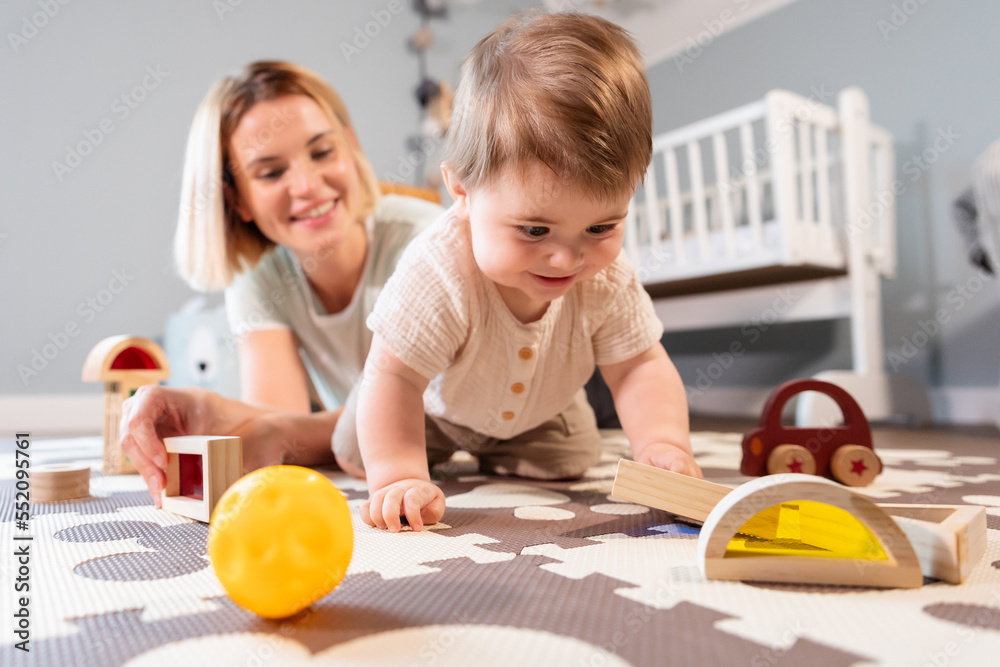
[685,496]
[199,470]
[853,543]
[947,539]
[59,481]
[844,453]
[123,364]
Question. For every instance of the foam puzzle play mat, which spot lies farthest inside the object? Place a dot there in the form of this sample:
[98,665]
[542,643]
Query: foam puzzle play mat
[519,572]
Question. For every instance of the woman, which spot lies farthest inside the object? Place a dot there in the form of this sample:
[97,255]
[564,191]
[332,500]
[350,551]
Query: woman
[281,208]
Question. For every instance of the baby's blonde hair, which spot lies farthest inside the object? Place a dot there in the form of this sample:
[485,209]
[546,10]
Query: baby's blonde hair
[213,243]
[567,90]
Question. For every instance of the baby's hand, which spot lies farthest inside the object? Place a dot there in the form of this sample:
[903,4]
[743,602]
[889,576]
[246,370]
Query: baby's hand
[420,501]
[670,457]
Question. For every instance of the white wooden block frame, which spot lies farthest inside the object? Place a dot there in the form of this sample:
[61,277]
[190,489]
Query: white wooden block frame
[221,466]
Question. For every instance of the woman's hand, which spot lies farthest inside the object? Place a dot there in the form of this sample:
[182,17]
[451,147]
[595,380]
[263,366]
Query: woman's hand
[420,501]
[154,413]
[269,437]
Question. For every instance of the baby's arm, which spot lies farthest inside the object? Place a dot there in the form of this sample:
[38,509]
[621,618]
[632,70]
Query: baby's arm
[651,404]
[393,446]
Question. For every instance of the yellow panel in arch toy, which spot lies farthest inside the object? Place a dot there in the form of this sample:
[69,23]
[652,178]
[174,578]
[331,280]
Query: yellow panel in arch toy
[808,529]
[804,516]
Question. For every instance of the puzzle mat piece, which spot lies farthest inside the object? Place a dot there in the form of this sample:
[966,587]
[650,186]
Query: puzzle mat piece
[176,550]
[934,485]
[991,503]
[351,487]
[933,458]
[443,645]
[523,514]
[972,616]
[664,572]
[401,555]
[478,508]
[60,592]
[503,495]
[557,597]
[461,594]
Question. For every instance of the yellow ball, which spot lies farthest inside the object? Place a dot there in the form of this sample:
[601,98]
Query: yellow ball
[280,539]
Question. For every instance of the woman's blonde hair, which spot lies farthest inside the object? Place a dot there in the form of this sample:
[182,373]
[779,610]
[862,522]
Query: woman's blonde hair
[567,90]
[213,243]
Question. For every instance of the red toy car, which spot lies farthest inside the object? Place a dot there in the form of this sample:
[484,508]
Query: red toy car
[844,453]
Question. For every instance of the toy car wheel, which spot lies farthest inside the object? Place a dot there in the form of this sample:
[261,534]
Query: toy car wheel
[855,465]
[791,458]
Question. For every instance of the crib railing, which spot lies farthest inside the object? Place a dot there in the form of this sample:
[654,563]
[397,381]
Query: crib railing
[760,185]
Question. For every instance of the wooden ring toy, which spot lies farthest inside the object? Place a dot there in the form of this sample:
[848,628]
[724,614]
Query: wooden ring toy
[59,481]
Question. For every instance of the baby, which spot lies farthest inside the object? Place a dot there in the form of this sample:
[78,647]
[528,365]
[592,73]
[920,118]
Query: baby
[496,315]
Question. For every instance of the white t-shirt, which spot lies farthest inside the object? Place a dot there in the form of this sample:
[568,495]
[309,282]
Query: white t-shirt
[489,371]
[276,295]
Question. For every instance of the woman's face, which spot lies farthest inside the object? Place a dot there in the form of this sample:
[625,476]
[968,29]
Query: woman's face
[295,173]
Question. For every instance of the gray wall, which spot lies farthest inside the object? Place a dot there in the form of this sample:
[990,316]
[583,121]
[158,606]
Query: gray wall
[937,71]
[63,236]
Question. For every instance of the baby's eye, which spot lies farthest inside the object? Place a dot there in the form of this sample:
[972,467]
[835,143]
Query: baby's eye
[534,231]
[319,155]
[600,230]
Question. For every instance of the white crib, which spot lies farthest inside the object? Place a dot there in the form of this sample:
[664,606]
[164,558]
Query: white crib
[783,190]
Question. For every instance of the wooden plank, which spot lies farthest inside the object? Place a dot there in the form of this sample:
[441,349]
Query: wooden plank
[672,492]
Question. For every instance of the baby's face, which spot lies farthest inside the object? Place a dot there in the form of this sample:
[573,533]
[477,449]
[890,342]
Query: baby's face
[535,235]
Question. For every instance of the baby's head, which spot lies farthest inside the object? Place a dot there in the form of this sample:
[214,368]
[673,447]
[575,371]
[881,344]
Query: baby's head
[550,134]
[566,90]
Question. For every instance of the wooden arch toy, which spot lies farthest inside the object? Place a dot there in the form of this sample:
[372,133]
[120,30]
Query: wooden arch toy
[123,364]
[947,540]
[844,453]
[795,528]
